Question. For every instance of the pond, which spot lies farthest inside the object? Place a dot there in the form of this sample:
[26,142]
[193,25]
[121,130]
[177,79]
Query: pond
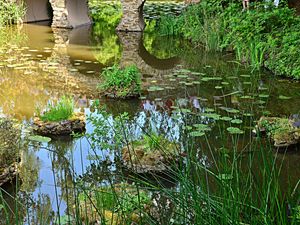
[39,64]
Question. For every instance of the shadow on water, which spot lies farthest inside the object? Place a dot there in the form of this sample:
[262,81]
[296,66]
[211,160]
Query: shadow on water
[45,63]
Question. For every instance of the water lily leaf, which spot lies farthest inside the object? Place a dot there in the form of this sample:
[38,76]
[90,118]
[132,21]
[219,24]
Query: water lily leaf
[283,97]
[202,127]
[224,83]
[209,110]
[246,97]
[245,75]
[263,96]
[248,114]
[197,134]
[182,76]
[234,111]
[40,139]
[211,115]
[234,130]
[237,121]
[226,118]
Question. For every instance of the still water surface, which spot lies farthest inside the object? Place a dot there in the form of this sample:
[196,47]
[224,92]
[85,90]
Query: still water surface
[42,64]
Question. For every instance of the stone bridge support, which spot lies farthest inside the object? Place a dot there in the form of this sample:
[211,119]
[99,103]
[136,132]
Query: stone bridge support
[133,19]
[70,13]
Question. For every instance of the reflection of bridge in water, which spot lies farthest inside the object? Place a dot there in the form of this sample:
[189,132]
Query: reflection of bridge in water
[72,45]
[75,13]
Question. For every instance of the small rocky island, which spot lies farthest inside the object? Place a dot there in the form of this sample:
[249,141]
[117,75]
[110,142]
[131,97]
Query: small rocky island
[284,132]
[74,124]
[59,119]
[151,154]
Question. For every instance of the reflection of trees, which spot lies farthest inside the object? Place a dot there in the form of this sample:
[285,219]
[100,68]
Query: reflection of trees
[160,47]
[29,170]
[107,44]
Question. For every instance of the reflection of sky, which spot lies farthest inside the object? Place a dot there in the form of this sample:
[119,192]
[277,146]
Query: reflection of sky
[79,150]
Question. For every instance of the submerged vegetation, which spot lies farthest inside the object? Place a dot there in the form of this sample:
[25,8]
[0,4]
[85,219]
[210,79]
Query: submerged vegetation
[264,35]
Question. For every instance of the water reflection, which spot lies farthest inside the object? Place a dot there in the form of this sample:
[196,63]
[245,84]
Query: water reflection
[39,64]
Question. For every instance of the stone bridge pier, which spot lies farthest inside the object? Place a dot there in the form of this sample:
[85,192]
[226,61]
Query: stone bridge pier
[74,13]
[132,19]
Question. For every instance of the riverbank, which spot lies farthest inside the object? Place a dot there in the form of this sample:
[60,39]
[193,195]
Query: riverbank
[263,36]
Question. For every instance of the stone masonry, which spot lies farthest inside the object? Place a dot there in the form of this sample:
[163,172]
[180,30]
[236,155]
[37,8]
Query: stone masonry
[133,19]
[70,13]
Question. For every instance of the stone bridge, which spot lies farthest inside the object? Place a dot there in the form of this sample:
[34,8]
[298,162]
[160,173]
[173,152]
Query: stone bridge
[73,13]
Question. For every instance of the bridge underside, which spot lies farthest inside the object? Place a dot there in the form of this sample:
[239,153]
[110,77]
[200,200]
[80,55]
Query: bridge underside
[74,13]
[63,13]
[37,10]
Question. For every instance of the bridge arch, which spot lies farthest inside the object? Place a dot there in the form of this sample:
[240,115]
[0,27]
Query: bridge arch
[74,13]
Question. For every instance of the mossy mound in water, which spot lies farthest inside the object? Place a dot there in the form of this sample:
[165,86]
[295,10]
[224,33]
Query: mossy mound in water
[75,124]
[284,132]
[10,149]
[120,204]
[151,154]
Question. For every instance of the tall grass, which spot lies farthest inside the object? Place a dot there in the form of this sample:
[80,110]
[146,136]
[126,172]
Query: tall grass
[62,110]
[11,12]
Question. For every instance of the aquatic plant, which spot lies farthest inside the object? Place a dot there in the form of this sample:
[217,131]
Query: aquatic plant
[63,109]
[11,12]
[121,83]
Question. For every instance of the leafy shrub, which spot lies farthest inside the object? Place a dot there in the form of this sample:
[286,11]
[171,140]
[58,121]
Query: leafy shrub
[109,13]
[62,110]
[11,12]
[121,83]
[262,36]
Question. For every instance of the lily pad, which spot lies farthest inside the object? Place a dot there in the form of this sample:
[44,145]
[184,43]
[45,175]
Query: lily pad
[197,134]
[211,115]
[283,97]
[237,121]
[202,127]
[234,111]
[40,139]
[234,130]
[226,118]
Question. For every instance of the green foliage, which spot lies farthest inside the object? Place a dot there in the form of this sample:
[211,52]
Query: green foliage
[62,110]
[108,12]
[121,83]
[10,143]
[153,141]
[262,36]
[11,12]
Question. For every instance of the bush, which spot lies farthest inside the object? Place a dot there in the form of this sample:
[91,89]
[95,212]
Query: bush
[11,12]
[62,110]
[262,36]
[121,83]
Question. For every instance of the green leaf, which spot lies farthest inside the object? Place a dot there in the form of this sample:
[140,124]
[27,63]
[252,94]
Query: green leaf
[197,134]
[225,176]
[40,139]
[283,97]
[237,121]
[234,130]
